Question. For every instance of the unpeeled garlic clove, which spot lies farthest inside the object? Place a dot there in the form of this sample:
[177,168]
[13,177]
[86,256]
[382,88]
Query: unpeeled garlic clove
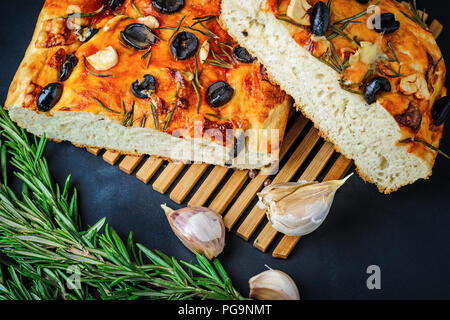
[200,229]
[297,209]
[273,285]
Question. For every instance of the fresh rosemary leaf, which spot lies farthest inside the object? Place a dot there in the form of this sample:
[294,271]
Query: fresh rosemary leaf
[177,28]
[416,17]
[136,8]
[101,75]
[101,104]
[285,18]
[155,118]
[430,146]
[217,116]
[168,118]
[83,15]
[144,119]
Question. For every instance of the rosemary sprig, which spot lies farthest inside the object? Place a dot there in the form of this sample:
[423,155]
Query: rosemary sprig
[136,8]
[430,146]
[43,235]
[101,75]
[155,117]
[148,55]
[285,18]
[143,121]
[203,19]
[196,82]
[356,16]
[101,104]
[219,62]
[416,17]
[128,116]
[217,116]
[395,73]
[177,28]
[168,118]
[82,14]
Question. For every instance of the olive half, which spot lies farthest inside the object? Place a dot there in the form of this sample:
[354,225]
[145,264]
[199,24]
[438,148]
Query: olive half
[241,54]
[67,67]
[144,89]
[219,94]
[441,111]
[387,24]
[115,3]
[49,97]
[374,86]
[84,34]
[168,6]
[138,36]
[320,19]
[184,45]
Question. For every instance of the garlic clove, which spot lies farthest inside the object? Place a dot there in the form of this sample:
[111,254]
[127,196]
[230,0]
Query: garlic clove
[149,21]
[297,209]
[204,51]
[298,11]
[105,59]
[199,229]
[273,285]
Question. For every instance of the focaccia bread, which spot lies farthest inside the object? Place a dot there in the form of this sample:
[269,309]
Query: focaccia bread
[367,73]
[148,77]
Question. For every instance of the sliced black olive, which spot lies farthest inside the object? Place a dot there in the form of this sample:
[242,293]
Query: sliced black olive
[49,97]
[168,6]
[84,34]
[67,67]
[138,36]
[115,3]
[320,19]
[184,45]
[441,111]
[241,54]
[374,86]
[219,94]
[144,89]
[388,24]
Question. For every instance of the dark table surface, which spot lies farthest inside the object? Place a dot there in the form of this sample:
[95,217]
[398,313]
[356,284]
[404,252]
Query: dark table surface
[406,233]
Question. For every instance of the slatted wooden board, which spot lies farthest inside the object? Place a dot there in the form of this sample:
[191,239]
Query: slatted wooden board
[232,193]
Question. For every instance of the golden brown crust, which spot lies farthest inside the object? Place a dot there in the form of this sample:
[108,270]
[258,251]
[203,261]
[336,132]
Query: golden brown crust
[257,104]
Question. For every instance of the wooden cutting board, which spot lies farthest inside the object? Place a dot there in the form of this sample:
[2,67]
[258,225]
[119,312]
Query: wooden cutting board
[232,193]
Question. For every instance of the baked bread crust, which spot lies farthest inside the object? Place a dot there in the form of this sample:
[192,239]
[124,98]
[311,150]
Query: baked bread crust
[257,105]
[381,154]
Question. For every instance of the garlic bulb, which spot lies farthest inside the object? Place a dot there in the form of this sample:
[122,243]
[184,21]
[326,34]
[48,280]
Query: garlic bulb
[200,229]
[297,209]
[273,285]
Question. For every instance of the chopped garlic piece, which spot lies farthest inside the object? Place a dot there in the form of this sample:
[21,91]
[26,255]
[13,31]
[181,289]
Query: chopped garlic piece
[368,53]
[204,51]
[105,59]
[149,21]
[415,84]
[298,11]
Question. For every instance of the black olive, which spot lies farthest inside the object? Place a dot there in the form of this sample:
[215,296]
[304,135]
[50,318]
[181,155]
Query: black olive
[320,19]
[67,67]
[219,94]
[144,89]
[441,111]
[184,45]
[49,97]
[113,4]
[241,54]
[388,24]
[363,1]
[168,6]
[374,86]
[138,36]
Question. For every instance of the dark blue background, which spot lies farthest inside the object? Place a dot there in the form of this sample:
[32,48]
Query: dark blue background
[406,233]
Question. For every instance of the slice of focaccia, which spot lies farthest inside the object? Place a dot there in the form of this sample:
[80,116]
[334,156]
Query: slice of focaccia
[367,73]
[148,77]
